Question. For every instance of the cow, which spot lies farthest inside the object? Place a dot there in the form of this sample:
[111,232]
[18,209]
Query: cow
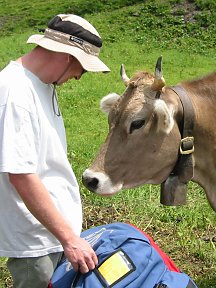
[145,135]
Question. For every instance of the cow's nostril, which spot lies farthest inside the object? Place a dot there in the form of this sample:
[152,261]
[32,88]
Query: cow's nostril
[90,183]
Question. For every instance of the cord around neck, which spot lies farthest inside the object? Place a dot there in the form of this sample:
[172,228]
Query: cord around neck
[55,103]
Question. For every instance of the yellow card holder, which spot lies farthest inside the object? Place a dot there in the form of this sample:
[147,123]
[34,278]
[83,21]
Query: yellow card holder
[114,269]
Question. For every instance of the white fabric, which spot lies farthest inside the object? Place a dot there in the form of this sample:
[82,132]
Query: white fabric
[32,140]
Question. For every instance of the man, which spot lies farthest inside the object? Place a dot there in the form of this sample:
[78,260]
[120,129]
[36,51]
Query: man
[40,207]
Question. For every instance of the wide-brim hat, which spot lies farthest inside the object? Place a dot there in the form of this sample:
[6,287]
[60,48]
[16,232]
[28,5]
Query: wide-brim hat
[68,33]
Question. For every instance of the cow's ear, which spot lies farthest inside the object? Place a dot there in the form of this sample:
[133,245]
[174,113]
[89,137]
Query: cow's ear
[164,114]
[107,102]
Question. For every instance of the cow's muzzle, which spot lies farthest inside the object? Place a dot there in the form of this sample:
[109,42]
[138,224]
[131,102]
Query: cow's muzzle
[100,183]
[91,183]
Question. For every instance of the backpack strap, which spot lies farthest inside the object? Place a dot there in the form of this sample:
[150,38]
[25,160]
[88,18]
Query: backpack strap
[191,285]
[161,285]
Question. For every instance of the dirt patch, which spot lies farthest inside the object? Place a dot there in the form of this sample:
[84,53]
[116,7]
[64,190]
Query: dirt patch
[187,11]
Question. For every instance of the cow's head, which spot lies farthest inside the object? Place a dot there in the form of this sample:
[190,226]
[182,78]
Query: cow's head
[143,140]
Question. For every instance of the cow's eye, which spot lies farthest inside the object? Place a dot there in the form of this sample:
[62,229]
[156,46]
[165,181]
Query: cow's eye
[137,124]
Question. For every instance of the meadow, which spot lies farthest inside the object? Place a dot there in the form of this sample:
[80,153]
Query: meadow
[134,33]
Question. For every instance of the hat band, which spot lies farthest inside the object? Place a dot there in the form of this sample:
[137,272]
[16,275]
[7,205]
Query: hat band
[72,41]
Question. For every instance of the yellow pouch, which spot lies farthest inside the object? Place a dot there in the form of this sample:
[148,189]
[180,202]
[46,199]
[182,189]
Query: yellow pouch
[115,268]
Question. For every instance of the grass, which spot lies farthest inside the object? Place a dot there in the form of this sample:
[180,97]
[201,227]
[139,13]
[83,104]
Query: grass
[135,33]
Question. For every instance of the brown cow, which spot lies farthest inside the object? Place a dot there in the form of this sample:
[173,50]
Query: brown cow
[145,135]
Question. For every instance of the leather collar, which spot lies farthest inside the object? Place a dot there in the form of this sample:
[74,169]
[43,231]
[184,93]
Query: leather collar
[174,188]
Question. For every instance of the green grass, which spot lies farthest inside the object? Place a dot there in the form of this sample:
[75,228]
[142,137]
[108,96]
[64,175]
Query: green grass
[135,33]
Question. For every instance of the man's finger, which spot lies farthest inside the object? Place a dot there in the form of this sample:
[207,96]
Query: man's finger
[75,266]
[83,268]
[95,259]
[91,264]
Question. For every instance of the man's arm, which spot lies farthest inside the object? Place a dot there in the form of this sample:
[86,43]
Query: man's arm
[38,201]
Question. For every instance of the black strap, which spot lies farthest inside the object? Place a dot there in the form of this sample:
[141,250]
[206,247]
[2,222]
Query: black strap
[174,188]
[160,285]
[184,166]
[79,275]
[76,279]
[188,111]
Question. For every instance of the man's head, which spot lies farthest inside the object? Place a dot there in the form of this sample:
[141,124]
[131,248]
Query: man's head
[73,35]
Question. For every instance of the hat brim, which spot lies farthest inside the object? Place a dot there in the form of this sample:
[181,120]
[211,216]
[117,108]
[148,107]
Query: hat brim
[89,62]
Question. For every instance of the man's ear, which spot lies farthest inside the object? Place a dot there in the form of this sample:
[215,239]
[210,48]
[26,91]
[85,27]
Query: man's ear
[70,58]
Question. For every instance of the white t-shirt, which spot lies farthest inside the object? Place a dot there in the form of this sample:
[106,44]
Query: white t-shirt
[32,140]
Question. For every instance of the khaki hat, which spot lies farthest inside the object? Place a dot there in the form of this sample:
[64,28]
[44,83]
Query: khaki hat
[74,35]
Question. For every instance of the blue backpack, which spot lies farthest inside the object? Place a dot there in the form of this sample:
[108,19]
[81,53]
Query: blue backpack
[127,257]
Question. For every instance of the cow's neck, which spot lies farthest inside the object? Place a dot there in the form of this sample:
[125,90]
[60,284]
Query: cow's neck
[205,157]
[204,133]
[205,143]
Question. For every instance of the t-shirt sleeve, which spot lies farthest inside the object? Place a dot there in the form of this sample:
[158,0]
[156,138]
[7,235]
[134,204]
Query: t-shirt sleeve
[19,139]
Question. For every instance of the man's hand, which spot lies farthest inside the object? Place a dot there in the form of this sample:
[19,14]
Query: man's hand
[81,255]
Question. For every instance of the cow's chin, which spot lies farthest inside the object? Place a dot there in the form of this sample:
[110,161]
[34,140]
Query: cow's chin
[107,195]
[109,190]
[141,183]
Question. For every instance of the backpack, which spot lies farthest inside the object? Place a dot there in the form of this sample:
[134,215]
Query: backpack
[127,257]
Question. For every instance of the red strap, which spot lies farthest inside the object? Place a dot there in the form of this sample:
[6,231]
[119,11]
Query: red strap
[169,263]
